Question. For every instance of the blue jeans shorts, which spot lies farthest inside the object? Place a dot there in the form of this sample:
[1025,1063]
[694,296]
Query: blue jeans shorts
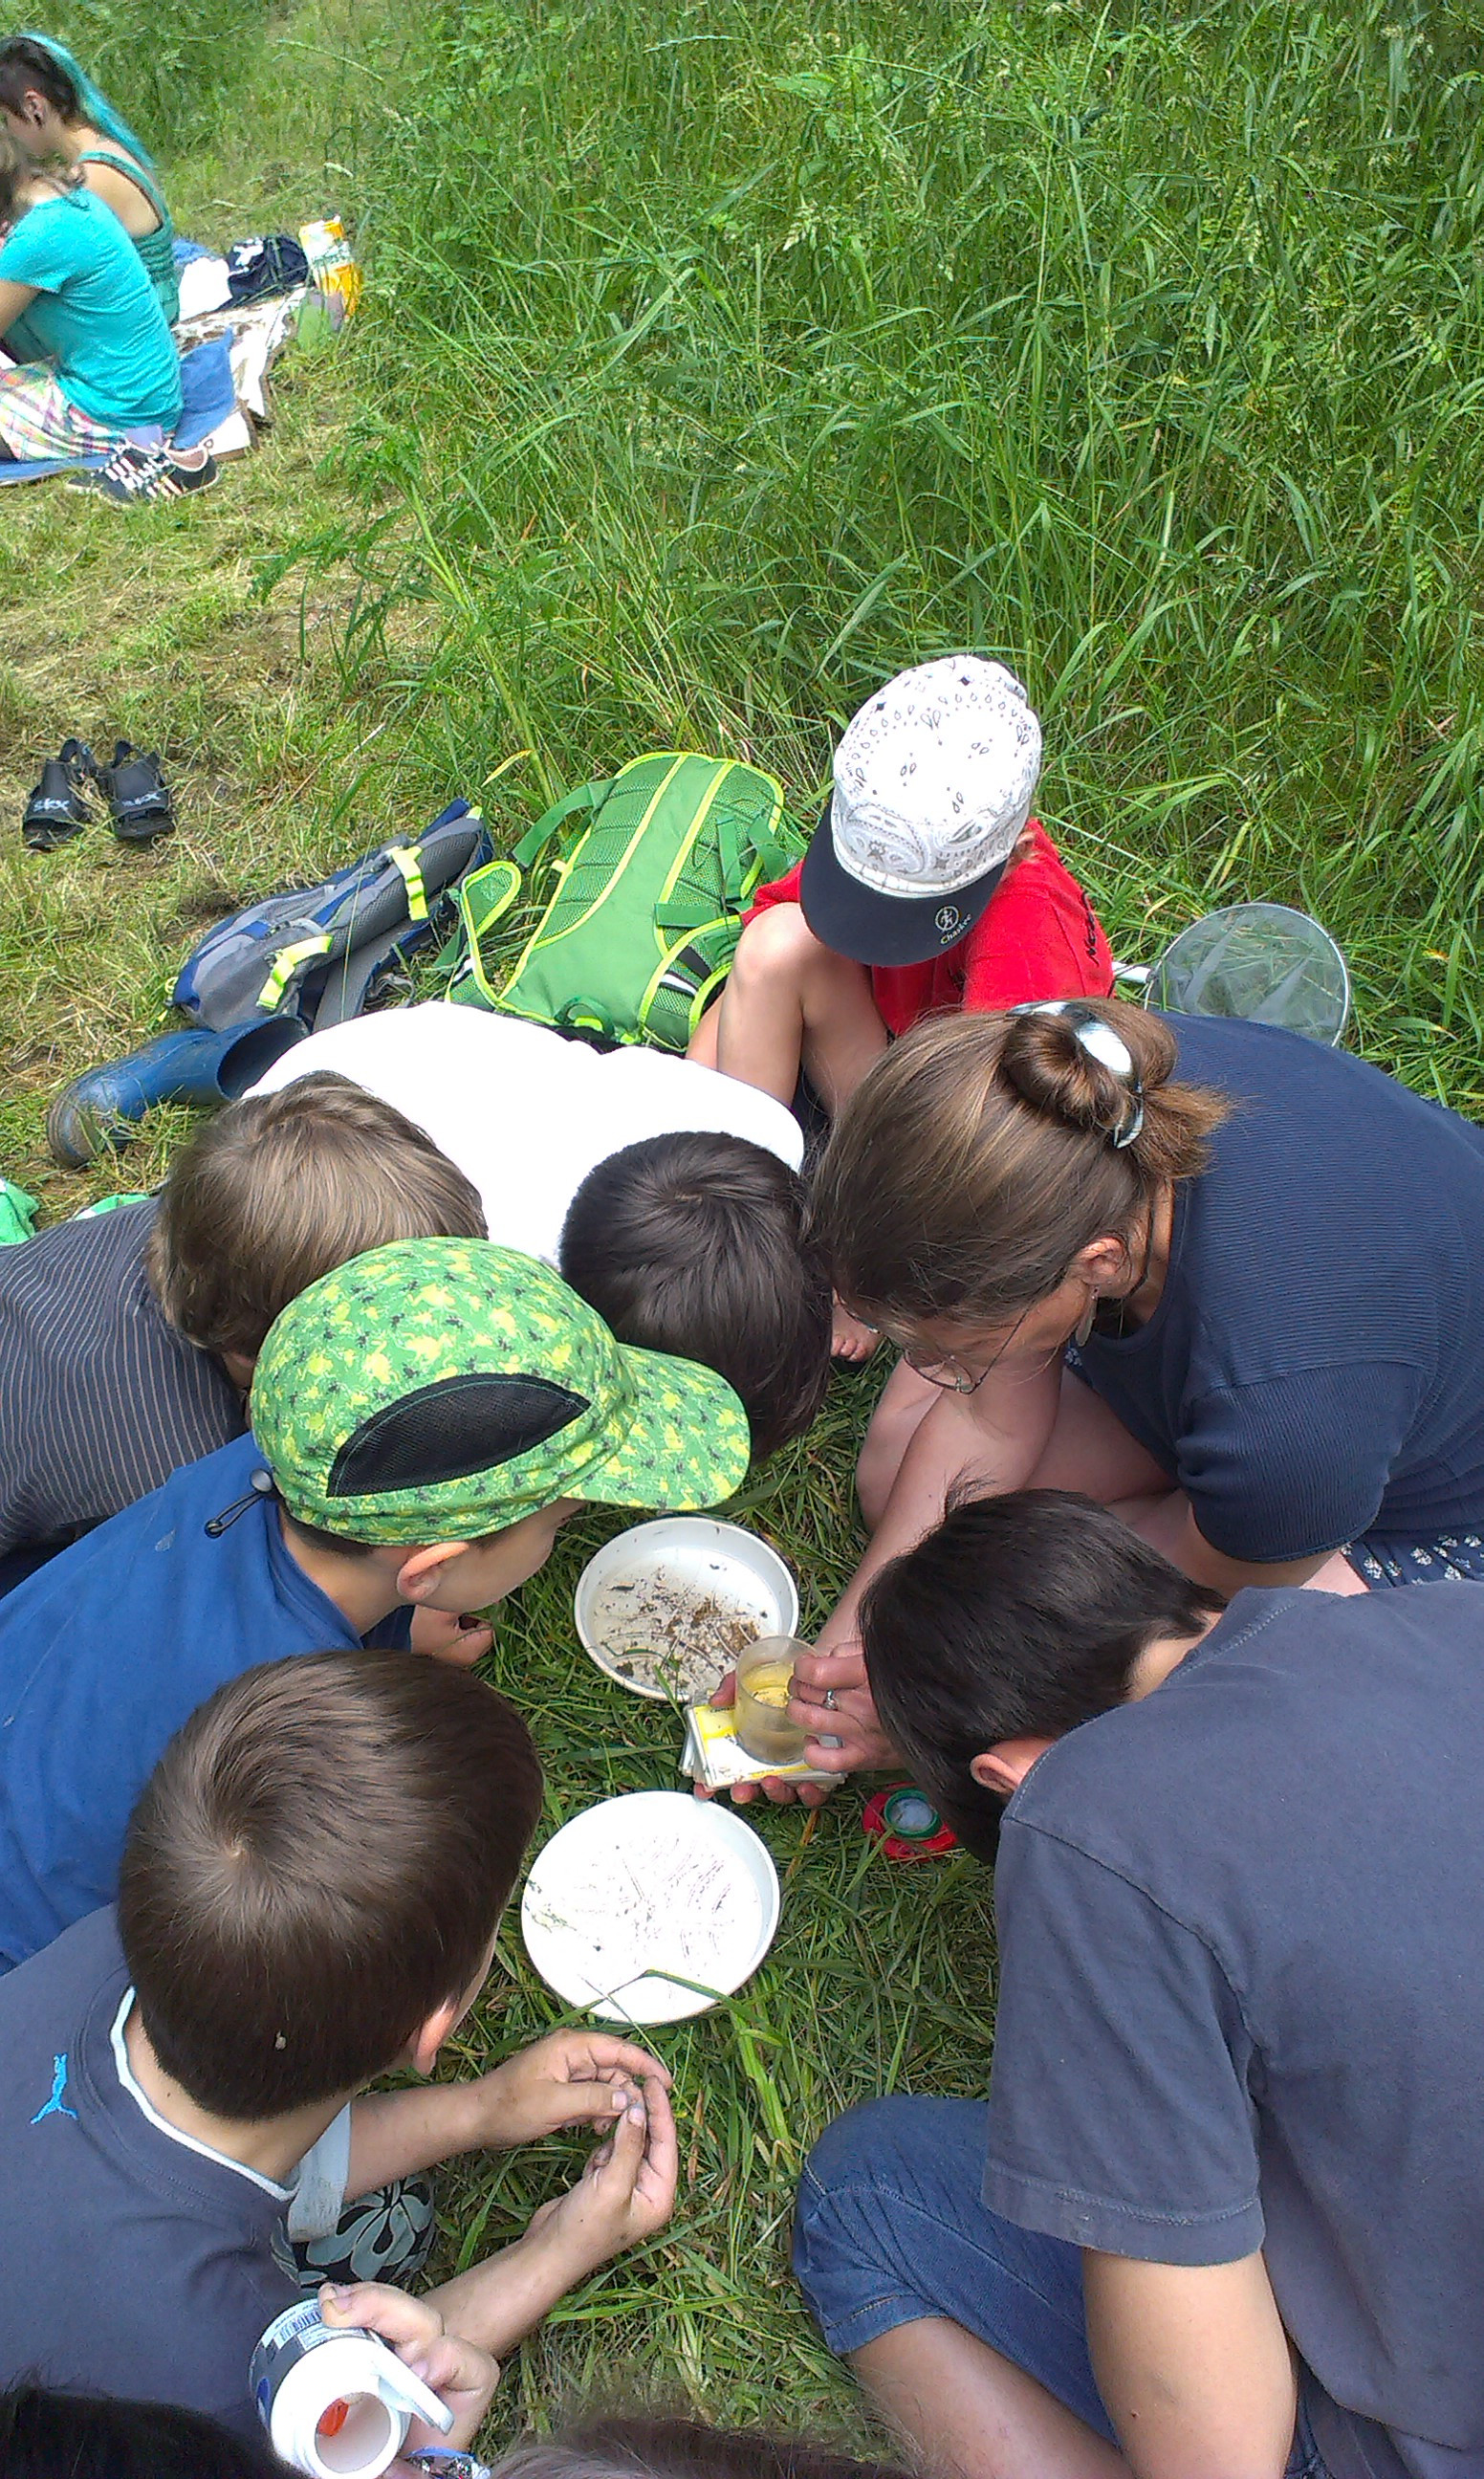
[890,2228]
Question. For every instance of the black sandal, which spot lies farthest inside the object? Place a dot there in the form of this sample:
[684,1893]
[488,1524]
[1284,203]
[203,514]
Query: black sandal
[57,811]
[138,796]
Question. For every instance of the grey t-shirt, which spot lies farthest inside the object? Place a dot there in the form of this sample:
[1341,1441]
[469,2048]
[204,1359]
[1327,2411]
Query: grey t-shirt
[131,2262]
[100,1399]
[1241,1999]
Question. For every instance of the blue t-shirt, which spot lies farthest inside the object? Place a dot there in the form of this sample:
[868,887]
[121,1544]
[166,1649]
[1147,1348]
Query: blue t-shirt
[95,317]
[1241,1998]
[107,1649]
[1313,1370]
[132,2262]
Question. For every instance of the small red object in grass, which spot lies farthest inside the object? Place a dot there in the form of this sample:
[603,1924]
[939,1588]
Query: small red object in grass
[334,2418]
[905,1824]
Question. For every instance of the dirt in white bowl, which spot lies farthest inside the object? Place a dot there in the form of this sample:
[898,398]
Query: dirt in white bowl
[680,1634]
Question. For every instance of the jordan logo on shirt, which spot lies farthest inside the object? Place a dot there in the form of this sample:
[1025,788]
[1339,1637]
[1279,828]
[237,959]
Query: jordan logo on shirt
[55,2106]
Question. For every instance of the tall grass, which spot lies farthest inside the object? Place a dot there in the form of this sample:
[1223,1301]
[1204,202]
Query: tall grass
[727,357]
[171,71]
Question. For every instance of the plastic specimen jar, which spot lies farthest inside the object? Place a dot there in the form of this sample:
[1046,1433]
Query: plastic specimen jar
[766,1677]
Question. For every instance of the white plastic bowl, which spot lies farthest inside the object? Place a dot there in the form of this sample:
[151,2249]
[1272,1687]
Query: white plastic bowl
[693,1553]
[650,1907]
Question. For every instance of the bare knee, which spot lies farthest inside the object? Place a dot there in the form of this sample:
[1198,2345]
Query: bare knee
[905,1404]
[778,950]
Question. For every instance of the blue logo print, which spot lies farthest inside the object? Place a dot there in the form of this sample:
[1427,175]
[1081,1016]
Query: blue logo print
[54,2106]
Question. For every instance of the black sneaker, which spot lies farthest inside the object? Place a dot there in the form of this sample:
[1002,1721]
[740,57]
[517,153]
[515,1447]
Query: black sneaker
[134,473]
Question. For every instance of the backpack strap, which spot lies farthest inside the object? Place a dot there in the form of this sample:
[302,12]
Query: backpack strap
[587,796]
[484,897]
[408,860]
[286,964]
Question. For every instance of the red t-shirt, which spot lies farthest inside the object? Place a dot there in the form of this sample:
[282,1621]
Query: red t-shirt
[1038,937]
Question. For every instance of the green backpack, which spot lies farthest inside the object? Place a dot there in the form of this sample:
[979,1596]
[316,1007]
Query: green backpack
[643,921]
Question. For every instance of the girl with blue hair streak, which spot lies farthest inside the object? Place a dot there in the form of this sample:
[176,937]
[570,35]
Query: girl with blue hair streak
[53,110]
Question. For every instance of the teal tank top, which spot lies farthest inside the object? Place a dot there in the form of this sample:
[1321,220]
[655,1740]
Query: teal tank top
[157,249]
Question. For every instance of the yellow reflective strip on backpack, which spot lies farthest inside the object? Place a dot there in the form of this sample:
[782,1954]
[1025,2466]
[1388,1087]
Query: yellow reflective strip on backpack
[286,963]
[404,857]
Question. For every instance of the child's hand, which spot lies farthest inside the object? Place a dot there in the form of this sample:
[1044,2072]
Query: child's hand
[448,1637]
[570,2079]
[463,2377]
[624,2194]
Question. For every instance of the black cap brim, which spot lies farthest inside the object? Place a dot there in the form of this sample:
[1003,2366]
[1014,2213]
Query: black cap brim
[873,929]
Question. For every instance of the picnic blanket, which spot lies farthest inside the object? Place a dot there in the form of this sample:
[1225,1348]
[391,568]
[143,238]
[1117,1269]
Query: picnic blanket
[208,399]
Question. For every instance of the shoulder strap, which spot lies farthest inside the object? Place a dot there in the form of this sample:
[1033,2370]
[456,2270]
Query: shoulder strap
[587,796]
[132,171]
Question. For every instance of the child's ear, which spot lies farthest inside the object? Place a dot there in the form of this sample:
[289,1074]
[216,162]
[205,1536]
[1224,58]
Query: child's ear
[418,1576]
[1004,1767]
[422,2052]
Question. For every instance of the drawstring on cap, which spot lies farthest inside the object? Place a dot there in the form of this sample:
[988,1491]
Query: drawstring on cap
[1097,1038]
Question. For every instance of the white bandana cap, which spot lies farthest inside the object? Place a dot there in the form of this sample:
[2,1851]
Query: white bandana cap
[935,777]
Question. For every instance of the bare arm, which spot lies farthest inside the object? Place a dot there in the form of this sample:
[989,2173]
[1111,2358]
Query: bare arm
[1194,2367]
[623,2196]
[579,2078]
[1169,1524]
[994,1439]
[14,299]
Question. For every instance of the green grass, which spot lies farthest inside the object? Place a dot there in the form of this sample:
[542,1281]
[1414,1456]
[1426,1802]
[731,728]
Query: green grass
[717,362]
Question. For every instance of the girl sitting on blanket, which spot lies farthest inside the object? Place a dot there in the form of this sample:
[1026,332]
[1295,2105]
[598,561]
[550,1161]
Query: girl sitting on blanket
[54,111]
[93,358]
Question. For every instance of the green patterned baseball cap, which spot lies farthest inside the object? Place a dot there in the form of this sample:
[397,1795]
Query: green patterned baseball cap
[438,1390]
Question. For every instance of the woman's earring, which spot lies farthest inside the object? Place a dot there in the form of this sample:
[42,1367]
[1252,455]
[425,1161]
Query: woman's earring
[1085,1322]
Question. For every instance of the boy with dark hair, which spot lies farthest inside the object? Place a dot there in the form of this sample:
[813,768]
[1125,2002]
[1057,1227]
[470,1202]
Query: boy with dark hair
[1221,2210]
[696,1243]
[309,1898]
[1018,1618]
[128,1338]
[424,1419]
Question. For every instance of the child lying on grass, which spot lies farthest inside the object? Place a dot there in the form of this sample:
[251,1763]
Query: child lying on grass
[308,1900]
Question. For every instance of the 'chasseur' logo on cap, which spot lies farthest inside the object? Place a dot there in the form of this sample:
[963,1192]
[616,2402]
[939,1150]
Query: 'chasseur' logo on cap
[948,921]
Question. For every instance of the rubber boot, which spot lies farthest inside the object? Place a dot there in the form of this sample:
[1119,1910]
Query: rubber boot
[100,1111]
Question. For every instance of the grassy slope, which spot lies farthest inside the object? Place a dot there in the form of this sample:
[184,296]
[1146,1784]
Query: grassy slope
[148,625]
[719,361]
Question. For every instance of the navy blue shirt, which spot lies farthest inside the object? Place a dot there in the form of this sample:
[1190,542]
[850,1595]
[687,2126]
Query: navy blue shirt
[1314,1367]
[107,1649]
[132,2262]
[1241,1998]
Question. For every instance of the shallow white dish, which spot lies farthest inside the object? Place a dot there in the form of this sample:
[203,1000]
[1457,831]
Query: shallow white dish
[687,1555]
[649,1907]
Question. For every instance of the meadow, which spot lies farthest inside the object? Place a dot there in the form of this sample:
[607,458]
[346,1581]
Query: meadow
[717,362]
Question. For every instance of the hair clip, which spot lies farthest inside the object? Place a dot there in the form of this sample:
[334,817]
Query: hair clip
[1093,1034]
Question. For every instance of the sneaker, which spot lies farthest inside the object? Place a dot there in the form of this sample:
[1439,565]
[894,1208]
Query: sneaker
[133,473]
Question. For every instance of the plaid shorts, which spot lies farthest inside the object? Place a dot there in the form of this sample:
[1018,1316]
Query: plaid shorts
[37,421]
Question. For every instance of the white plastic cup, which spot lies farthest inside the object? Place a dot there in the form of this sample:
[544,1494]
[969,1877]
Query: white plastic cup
[336,2402]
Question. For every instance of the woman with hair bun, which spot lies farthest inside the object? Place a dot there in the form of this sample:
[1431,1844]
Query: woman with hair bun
[1212,1274]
